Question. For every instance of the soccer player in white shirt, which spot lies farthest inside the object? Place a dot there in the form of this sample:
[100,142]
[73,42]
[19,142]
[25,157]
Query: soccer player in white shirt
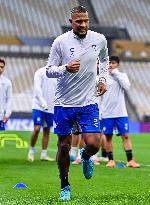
[5,96]
[114,112]
[42,111]
[73,59]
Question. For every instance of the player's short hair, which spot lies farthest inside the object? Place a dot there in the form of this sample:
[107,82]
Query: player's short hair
[79,9]
[114,58]
[2,61]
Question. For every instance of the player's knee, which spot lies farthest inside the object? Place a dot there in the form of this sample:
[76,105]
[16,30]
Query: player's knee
[37,128]
[93,148]
[125,137]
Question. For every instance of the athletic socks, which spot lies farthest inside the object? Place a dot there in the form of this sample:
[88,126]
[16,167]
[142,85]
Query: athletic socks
[44,152]
[110,155]
[103,153]
[32,150]
[129,154]
[64,181]
[85,155]
[73,151]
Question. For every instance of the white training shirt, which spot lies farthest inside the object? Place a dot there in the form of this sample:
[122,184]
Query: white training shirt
[44,91]
[113,102]
[77,89]
[5,97]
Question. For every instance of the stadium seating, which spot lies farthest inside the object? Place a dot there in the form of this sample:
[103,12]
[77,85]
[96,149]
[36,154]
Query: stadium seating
[133,15]
[134,50]
[34,18]
[21,72]
[139,94]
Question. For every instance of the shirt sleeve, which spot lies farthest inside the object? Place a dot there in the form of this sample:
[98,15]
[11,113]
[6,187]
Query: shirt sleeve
[8,100]
[54,67]
[122,78]
[38,93]
[104,61]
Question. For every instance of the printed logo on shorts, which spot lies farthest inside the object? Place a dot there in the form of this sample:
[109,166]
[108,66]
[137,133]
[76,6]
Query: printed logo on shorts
[126,126]
[104,128]
[38,119]
[96,122]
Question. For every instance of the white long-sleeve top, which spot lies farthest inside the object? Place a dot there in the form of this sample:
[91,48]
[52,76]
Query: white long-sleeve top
[44,91]
[113,101]
[5,97]
[77,89]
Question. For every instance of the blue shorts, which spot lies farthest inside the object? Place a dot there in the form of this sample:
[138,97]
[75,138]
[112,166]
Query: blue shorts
[121,124]
[2,125]
[42,118]
[87,117]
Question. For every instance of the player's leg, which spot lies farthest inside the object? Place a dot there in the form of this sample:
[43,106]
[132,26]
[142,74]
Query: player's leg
[81,144]
[48,123]
[89,122]
[108,125]
[103,157]
[74,144]
[37,119]
[64,124]
[123,128]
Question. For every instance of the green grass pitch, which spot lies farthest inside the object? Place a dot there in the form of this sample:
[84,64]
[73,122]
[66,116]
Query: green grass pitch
[108,186]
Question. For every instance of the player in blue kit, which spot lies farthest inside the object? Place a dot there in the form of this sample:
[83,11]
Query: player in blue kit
[114,113]
[73,60]
[42,112]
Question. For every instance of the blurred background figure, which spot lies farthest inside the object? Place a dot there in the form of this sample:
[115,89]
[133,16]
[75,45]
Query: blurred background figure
[114,113]
[5,96]
[42,112]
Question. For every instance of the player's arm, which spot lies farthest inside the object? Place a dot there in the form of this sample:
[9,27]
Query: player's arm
[104,59]
[122,78]
[8,103]
[38,91]
[54,68]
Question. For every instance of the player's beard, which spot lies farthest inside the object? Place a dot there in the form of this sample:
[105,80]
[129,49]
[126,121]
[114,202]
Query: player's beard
[80,35]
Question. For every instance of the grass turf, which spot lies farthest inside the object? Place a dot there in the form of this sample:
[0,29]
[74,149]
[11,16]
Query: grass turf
[114,186]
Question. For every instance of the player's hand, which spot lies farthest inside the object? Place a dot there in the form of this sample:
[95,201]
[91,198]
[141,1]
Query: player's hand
[5,119]
[73,66]
[101,89]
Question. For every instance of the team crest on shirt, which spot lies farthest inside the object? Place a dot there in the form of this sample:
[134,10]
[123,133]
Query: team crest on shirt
[72,52]
[94,47]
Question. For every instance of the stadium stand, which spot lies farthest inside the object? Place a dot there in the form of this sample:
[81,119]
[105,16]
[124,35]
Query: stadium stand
[34,18]
[28,27]
[21,73]
[134,50]
[139,93]
[133,15]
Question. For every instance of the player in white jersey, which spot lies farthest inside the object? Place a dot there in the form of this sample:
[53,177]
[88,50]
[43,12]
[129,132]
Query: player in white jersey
[42,111]
[114,114]
[5,96]
[73,59]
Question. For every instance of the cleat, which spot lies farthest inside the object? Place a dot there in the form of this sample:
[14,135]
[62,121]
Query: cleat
[87,166]
[46,158]
[65,193]
[132,164]
[77,161]
[96,162]
[111,164]
[103,159]
[30,157]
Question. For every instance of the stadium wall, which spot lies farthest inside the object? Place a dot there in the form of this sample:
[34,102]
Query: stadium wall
[26,124]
